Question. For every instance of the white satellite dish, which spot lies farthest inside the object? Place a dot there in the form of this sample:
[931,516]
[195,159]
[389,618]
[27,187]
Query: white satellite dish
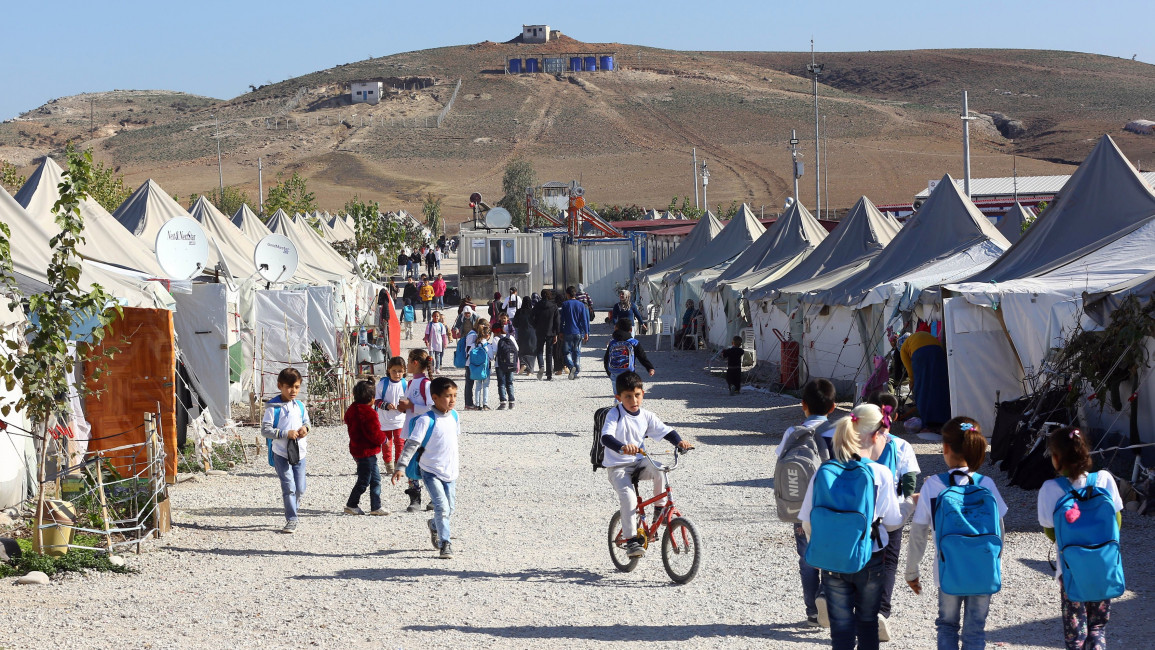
[498,218]
[182,248]
[275,258]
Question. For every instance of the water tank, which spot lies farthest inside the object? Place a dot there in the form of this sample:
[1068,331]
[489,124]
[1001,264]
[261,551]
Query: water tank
[515,66]
[575,64]
[591,63]
[607,63]
[532,65]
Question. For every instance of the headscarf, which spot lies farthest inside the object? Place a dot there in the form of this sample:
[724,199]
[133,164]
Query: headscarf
[534,299]
[624,301]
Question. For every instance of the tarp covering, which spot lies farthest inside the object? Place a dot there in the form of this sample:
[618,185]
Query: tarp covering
[1103,199]
[105,240]
[1012,221]
[1100,304]
[281,337]
[17,451]
[321,326]
[201,322]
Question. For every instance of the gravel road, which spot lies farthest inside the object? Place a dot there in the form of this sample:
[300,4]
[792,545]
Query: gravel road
[531,567]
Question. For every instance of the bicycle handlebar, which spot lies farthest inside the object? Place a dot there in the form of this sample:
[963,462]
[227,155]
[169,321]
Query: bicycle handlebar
[664,468]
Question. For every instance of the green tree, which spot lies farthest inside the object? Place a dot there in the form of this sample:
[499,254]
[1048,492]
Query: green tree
[107,186]
[690,211]
[378,240]
[10,177]
[519,175]
[291,195]
[432,211]
[228,202]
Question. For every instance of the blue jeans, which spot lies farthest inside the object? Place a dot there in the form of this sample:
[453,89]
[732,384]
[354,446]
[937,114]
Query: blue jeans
[443,496]
[974,633]
[481,392]
[368,476]
[852,600]
[292,484]
[504,385]
[438,358]
[573,351]
[809,575]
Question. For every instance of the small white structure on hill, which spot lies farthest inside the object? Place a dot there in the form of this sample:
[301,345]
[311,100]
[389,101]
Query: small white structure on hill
[1142,127]
[368,92]
[535,33]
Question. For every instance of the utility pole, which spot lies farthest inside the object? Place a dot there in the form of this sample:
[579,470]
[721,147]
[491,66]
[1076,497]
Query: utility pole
[705,182]
[966,118]
[826,164]
[816,69]
[795,163]
[220,169]
[694,153]
[260,187]
[91,118]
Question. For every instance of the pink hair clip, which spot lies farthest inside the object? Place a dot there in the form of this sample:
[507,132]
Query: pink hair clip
[886,411]
[1074,434]
[853,418]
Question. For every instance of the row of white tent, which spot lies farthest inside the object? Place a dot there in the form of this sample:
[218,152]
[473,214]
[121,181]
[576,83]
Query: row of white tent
[1003,306]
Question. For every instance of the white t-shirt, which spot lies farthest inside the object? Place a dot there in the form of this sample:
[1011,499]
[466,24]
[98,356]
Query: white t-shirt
[418,392]
[932,487]
[390,392]
[510,304]
[436,333]
[812,422]
[440,455]
[907,460]
[290,418]
[1051,492]
[630,429]
[885,503]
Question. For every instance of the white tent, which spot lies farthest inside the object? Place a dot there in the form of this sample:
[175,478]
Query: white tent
[341,229]
[235,248]
[250,224]
[17,451]
[1012,222]
[311,249]
[1002,323]
[782,247]
[105,240]
[650,280]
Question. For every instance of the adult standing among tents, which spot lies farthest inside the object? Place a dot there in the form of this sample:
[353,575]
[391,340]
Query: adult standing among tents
[409,292]
[546,325]
[924,358]
[403,263]
[586,300]
[511,303]
[625,308]
[575,330]
[415,263]
[526,332]
[430,262]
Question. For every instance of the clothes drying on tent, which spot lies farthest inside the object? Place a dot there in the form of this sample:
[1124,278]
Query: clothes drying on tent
[924,357]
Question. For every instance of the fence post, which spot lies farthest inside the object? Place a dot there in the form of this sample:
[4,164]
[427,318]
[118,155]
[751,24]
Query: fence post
[101,495]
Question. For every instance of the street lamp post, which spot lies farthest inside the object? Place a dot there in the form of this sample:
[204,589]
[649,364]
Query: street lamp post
[705,182]
[816,69]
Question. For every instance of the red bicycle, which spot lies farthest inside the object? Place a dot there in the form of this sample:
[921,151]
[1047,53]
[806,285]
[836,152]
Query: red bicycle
[681,549]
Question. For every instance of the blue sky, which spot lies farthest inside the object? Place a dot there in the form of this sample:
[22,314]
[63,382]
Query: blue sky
[218,48]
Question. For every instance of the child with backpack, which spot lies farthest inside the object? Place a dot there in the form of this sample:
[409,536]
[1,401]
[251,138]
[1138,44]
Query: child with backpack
[964,511]
[285,424]
[1081,512]
[388,396]
[430,455]
[849,505]
[481,355]
[625,427]
[623,353]
[408,317]
[437,340]
[466,346]
[418,400]
[365,438]
[900,459]
[506,358]
[802,450]
[733,356]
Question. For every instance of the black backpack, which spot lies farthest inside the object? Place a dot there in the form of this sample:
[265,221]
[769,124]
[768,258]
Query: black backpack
[506,354]
[598,450]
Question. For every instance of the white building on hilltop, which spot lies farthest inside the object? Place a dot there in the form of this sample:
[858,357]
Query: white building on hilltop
[365,91]
[535,33]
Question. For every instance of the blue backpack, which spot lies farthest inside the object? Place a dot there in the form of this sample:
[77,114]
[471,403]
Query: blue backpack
[968,536]
[479,362]
[889,457]
[1089,545]
[277,424]
[621,356]
[459,360]
[413,469]
[842,525]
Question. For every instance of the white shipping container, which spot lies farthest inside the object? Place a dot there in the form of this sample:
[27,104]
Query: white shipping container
[481,248]
[607,266]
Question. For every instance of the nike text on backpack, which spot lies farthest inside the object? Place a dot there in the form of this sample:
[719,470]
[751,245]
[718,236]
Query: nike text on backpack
[598,450]
[479,363]
[968,538]
[459,358]
[621,356]
[277,425]
[1088,541]
[506,354]
[842,524]
[799,462]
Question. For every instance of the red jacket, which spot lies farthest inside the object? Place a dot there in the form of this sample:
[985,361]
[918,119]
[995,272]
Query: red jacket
[365,434]
[439,287]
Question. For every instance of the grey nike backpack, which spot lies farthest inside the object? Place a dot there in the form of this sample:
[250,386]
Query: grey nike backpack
[796,466]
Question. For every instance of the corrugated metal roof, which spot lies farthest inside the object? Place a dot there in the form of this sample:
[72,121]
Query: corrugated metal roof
[1027,185]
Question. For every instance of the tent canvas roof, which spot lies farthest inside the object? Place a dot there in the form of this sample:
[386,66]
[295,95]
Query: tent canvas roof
[105,239]
[1011,223]
[234,246]
[734,239]
[342,230]
[1104,199]
[859,237]
[1100,304]
[946,225]
[311,250]
[703,233]
[250,224]
[793,236]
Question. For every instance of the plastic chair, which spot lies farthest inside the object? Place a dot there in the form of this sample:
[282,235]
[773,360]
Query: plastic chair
[664,328]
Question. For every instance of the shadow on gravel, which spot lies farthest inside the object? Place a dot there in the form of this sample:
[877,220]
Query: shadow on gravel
[754,482]
[563,434]
[1042,566]
[726,439]
[560,576]
[252,512]
[243,552]
[777,632]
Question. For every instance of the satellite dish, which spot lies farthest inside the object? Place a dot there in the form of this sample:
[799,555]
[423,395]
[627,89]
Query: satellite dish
[578,191]
[498,218]
[182,248]
[475,198]
[275,258]
[788,202]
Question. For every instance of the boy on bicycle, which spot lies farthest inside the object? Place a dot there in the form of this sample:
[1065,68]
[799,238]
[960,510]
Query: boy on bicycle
[625,427]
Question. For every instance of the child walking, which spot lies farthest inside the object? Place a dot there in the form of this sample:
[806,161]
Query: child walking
[480,356]
[437,340]
[388,397]
[733,356]
[963,449]
[626,427]
[285,424]
[432,447]
[365,438]
[408,316]
[506,358]
[1081,511]
[848,497]
[623,354]
[418,400]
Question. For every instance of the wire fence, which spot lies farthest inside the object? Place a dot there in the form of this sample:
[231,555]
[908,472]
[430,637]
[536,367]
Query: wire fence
[449,105]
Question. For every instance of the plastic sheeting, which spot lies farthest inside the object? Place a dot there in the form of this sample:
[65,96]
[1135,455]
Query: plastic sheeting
[17,452]
[201,322]
[281,337]
[321,326]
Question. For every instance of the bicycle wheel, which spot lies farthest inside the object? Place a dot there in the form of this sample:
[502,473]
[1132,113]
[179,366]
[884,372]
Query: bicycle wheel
[617,543]
[681,550]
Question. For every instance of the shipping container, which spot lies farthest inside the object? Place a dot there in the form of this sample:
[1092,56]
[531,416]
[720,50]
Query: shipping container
[553,65]
[602,266]
[486,248]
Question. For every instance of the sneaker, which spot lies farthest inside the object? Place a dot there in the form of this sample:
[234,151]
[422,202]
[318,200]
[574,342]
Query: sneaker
[812,621]
[501,406]
[433,534]
[446,551]
[540,372]
[354,511]
[429,507]
[635,549]
[823,615]
[290,527]
[379,512]
[486,408]
[511,405]
[572,373]
[883,630]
